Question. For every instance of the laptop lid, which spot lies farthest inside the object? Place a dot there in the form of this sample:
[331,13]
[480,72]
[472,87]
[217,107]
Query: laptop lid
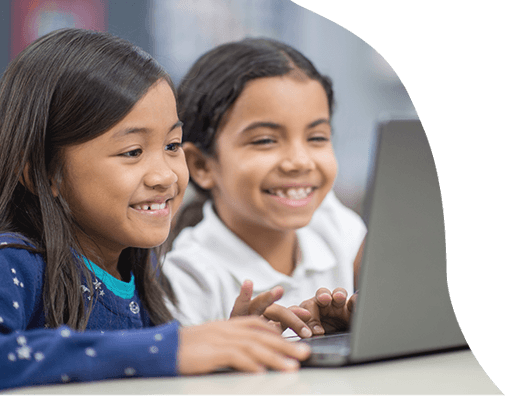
[403,304]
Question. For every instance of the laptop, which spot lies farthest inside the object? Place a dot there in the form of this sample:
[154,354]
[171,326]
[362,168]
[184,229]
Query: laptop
[403,305]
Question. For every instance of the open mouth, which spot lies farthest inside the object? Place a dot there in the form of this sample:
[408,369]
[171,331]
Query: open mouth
[150,206]
[291,192]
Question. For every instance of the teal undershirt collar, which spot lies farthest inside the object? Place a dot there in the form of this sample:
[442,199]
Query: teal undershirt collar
[120,288]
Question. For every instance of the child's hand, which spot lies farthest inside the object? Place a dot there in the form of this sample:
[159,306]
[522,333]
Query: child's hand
[245,344]
[330,312]
[263,305]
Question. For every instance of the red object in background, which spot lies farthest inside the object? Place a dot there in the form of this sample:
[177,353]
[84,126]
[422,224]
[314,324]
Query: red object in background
[31,19]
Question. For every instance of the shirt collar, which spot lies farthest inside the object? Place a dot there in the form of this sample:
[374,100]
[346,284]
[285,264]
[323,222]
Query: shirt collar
[244,263]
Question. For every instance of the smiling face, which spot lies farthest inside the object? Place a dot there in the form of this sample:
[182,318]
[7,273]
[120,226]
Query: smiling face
[125,185]
[274,160]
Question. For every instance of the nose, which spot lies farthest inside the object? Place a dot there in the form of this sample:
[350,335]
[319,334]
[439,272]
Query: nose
[297,158]
[160,174]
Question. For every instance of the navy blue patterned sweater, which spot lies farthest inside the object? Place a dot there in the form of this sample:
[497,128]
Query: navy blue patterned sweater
[120,340]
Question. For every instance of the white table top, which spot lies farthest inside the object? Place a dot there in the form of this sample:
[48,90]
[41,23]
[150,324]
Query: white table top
[443,373]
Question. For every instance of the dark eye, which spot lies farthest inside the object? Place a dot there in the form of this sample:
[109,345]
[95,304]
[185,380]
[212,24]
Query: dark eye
[261,142]
[173,146]
[319,139]
[133,153]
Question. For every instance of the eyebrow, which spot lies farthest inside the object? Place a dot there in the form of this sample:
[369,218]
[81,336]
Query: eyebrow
[272,125]
[129,131]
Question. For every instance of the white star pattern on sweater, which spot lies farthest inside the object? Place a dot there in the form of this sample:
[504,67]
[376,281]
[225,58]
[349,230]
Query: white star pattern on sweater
[24,352]
[90,352]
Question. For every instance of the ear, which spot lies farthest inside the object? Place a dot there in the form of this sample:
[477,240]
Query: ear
[26,182]
[54,186]
[199,166]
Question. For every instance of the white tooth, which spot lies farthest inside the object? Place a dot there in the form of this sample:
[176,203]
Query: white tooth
[162,206]
[292,193]
[155,206]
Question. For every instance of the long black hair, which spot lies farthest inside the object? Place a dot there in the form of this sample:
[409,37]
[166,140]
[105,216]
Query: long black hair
[66,88]
[213,84]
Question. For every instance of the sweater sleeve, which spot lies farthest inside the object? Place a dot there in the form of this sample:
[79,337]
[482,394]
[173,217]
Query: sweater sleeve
[43,356]
[46,356]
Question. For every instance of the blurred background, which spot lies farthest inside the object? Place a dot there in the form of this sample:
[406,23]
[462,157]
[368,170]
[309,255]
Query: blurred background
[177,32]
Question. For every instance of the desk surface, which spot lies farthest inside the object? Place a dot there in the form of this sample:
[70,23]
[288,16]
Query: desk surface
[444,373]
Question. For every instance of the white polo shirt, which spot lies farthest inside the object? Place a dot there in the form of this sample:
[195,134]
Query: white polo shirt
[208,263]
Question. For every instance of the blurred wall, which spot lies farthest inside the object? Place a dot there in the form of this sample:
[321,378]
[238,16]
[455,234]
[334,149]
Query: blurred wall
[22,21]
[177,32]
[5,25]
